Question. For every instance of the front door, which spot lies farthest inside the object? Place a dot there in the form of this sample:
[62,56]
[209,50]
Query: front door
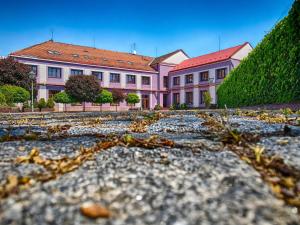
[165,100]
[145,102]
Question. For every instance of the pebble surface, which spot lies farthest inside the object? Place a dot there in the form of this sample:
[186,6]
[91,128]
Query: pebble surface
[200,183]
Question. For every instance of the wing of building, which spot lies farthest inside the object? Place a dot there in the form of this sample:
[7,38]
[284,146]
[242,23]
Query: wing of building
[151,78]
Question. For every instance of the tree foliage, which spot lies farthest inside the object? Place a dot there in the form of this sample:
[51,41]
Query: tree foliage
[15,73]
[271,72]
[83,88]
[104,97]
[118,96]
[14,94]
[132,98]
[63,97]
[207,99]
[50,103]
[42,104]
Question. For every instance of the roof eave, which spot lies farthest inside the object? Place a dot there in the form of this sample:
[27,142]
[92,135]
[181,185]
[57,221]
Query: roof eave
[83,64]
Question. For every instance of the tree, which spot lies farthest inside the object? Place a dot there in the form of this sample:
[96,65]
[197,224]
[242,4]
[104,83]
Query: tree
[15,73]
[207,99]
[118,96]
[42,104]
[14,94]
[83,88]
[104,96]
[64,98]
[50,103]
[132,99]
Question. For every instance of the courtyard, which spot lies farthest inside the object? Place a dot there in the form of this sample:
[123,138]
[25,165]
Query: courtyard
[175,167]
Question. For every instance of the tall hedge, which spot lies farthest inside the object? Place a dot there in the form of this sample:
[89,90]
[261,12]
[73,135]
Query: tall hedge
[271,72]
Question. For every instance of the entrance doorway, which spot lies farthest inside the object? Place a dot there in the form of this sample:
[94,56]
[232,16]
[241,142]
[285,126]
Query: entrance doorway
[145,102]
[165,100]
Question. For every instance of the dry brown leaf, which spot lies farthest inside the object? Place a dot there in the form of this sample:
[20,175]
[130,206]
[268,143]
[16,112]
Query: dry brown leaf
[94,211]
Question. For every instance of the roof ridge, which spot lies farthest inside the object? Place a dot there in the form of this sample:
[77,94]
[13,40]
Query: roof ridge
[84,46]
[222,50]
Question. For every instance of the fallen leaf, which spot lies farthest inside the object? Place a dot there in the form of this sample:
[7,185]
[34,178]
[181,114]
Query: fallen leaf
[94,210]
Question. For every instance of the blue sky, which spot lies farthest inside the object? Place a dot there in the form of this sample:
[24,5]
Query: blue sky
[165,25]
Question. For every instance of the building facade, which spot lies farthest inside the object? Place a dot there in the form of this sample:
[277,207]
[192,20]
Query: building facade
[171,78]
[191,79]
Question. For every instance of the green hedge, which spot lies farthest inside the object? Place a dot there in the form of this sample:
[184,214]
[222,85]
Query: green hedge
[271,72]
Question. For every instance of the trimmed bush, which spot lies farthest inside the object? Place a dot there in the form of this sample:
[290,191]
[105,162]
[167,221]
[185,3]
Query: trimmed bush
[132,99]
[104,97]
[50,103]
[41,104]
[14,94]
[2,100]
[271,72]
[64,98]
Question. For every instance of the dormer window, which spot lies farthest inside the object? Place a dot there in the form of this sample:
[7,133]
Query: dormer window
[53,52]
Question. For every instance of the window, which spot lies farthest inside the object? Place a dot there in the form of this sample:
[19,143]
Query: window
[130,79]
[76,72]
[189,79]
[189,98]
[176,98]
[166,81]
[54,72]
[98,75]
[204,76]
[115,78]
[51,93]
[202,93]
[221,73]
[176,80]
[33,69]
[145,80]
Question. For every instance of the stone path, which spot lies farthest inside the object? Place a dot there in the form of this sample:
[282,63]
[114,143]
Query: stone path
[199,181]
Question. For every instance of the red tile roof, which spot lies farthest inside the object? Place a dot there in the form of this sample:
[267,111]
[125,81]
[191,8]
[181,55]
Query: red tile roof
[209,58]
[57,51]
[160,59]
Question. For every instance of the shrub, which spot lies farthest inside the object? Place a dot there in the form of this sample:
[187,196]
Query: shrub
[183,106]
[42,104]
[2,100]
[50,103]
[104,97]
[270,74]
[64,98]
[14,94]
[83,88]
[132,98]
[15,73]
[158,107]
[118,96]
[207,99]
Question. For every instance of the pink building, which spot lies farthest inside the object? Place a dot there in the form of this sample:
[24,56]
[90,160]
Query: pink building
[171,78]
[190,79]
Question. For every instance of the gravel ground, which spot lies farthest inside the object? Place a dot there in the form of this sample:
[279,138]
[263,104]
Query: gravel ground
[201,183]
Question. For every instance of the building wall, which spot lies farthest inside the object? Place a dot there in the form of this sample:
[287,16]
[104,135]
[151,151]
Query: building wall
[197,85]
[46,84]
